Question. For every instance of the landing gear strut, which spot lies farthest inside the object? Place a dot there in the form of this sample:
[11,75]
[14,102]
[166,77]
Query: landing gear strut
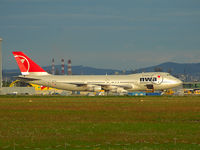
[150,87]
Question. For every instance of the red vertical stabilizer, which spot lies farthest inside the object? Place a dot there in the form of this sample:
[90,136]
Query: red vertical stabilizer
[27,66]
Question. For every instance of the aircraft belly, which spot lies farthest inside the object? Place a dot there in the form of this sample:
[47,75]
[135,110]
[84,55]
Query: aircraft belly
[59,85]
[72,87]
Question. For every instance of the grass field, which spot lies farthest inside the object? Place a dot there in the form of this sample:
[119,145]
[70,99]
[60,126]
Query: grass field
[98,123]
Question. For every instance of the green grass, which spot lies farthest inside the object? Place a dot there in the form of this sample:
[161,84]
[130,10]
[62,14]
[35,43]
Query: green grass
[96,123]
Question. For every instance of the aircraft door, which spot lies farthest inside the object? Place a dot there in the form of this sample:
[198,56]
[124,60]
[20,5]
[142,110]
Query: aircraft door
[107,80]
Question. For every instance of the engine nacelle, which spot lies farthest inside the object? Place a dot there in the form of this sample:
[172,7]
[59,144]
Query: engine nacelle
[119,90]
[94,88]
[116,89]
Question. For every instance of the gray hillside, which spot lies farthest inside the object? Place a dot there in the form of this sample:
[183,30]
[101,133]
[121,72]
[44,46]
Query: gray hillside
[176,68]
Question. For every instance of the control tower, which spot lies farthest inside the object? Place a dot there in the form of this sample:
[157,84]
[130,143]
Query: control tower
[0,64]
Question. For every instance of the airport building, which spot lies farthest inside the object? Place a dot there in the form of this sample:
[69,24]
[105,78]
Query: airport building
[191,85]
[191,88]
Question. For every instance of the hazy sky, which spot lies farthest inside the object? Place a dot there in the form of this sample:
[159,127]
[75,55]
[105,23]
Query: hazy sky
[118,34]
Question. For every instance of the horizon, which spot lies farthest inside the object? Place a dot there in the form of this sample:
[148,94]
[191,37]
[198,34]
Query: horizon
[57,65]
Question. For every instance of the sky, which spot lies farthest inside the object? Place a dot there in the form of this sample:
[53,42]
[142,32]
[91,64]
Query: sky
[114,34]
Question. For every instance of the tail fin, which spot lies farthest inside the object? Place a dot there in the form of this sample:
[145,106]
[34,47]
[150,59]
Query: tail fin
[27,66]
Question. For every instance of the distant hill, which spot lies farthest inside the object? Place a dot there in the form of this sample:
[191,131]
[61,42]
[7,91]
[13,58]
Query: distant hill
[84,70]
[175,68]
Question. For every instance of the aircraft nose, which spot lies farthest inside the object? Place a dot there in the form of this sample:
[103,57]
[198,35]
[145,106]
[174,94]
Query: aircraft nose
[178,82]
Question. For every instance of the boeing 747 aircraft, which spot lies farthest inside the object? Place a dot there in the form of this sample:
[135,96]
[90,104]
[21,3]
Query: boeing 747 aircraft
[33,73]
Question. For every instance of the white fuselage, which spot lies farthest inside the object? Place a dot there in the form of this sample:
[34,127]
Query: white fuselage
[116,83]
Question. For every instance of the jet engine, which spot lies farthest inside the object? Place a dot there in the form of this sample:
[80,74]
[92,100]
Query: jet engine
[115,89]
[94,88]
[119,90]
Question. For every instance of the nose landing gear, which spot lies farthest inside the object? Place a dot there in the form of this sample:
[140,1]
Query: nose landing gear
[150,88]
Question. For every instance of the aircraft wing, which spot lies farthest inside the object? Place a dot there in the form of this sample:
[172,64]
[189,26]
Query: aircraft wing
[104,85]
[26,78]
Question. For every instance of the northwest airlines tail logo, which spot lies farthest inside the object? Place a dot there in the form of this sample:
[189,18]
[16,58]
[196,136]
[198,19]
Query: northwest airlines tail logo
[154,79]
[22,60]
[25,62]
